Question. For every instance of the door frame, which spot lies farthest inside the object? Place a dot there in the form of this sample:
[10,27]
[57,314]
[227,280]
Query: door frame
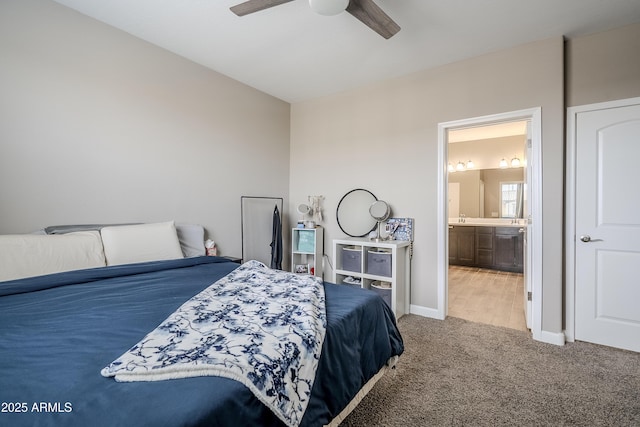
[534,241]
[570,205]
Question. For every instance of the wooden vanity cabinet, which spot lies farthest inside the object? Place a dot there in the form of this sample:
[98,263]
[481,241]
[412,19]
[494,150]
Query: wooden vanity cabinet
[462,245]
[484,246]
[498,248]
[509,248]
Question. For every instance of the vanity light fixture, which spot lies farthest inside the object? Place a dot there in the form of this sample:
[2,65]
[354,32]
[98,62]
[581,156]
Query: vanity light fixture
[460,166]
[515,162]
[503,164]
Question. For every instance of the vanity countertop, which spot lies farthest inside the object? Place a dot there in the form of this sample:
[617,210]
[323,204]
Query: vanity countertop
[487,222]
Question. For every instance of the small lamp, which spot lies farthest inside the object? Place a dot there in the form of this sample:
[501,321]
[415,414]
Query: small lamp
[503,164]
[515,162]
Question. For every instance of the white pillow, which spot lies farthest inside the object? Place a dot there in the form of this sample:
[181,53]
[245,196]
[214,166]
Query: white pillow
[191,237]
[28,255]
[128,244]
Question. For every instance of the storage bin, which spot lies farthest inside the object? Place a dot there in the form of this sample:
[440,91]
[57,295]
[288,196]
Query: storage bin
[352,281]
[379,262]
[384,290]
[306,241]
[351,259]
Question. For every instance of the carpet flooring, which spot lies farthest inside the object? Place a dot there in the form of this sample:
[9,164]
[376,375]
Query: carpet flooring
[461,373]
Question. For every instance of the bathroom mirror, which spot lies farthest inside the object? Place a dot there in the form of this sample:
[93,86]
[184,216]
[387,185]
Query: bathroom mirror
[380,211]
[479,193]
[353,214]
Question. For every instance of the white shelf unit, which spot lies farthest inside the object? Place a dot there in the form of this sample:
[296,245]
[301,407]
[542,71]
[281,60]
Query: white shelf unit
[307,248]
[400,271]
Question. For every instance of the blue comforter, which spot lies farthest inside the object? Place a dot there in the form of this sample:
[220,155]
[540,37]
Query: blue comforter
[58,331]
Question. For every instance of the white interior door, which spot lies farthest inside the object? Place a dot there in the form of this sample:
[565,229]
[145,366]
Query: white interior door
[526,229]
[607,225]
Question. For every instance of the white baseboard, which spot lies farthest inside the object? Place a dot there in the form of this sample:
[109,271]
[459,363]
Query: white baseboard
[569,336]
[556,338]
[426,312]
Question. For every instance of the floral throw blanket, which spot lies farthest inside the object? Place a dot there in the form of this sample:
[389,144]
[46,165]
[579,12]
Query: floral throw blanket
[262,327]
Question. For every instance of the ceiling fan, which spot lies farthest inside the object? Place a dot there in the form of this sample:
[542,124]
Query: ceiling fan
[365,11]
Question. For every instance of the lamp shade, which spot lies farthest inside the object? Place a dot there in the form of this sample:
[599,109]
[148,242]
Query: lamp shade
[515,162]
[503,164]
[328,7]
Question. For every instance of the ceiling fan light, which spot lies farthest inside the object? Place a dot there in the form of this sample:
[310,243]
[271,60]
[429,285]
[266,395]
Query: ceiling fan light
[328,7]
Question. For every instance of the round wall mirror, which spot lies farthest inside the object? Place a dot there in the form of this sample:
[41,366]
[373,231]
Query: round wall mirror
[353,214]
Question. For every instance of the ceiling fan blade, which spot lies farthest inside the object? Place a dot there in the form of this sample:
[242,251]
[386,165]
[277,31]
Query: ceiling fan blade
[255,6]
[373,17]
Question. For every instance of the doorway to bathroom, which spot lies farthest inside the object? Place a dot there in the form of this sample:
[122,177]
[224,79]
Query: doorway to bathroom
[490,223]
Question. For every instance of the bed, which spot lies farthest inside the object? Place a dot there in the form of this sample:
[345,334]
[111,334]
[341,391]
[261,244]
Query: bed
[59,330]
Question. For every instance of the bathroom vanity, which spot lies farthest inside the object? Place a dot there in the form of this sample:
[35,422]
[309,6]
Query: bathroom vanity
[481,243]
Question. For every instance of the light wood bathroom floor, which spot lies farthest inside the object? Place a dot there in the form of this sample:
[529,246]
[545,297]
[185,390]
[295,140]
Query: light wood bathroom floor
[487,296]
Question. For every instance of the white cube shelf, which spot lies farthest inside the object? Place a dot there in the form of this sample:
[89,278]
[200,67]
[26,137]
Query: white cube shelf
[307,248]
[365,262]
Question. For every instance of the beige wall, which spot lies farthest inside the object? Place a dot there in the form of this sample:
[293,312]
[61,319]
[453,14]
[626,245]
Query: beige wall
[384,138]
[99,126]
[604,67]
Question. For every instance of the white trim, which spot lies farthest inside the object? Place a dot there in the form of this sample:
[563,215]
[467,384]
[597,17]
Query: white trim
[570,205]
[556,338]
[426,312]
[443,224]
[570,215]
[567,337]
[535,239]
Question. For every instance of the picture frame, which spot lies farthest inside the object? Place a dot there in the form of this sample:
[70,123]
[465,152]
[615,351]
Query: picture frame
[302,268]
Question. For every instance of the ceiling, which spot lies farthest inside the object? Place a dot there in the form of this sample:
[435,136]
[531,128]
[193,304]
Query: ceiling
[292,53]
